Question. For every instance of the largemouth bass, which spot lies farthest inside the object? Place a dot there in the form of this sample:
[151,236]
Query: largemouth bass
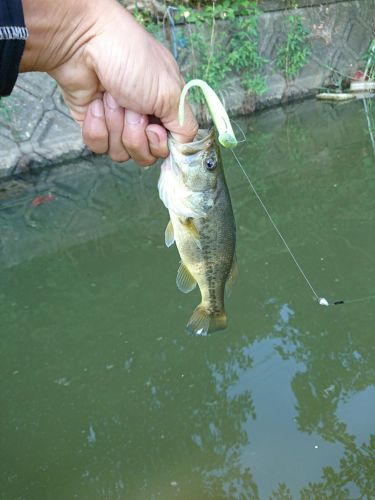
[192,186]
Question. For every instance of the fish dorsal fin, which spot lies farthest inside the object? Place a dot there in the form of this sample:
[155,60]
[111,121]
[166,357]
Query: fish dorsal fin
[188,223]
[169,234]
[232,277]
[184,280]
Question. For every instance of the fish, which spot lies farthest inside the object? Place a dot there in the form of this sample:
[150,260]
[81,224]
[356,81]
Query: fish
[193,188]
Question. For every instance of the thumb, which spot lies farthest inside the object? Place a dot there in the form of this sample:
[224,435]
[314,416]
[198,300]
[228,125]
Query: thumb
[184,132]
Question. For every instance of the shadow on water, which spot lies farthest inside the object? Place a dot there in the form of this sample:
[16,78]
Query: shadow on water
[103,396]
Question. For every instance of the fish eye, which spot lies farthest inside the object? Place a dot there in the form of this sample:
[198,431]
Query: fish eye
[210,163]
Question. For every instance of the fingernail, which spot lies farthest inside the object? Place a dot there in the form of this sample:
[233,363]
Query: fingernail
[133,118]
[97,109]
[112,104]
[153,138]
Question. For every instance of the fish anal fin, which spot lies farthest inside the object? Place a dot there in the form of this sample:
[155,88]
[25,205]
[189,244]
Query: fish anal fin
[184,280]
[188,223]
[202,322]
[169,234]
[232,277]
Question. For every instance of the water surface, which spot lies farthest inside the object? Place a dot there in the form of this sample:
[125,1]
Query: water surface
[103,395]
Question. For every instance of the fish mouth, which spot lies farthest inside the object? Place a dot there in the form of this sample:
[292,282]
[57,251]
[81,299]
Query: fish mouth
[203,140]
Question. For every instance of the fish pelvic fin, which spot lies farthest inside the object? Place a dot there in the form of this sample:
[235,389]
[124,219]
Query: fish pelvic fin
[169,234]
[203,322]
[185,281]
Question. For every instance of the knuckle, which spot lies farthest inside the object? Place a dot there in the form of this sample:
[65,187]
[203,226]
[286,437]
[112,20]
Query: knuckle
[119,157]
[132,142]
[96,139]
[100,136]
[146,162]
[97,148]
[159,152]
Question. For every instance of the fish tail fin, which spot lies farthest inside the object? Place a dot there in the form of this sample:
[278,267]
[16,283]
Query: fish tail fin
[203,322]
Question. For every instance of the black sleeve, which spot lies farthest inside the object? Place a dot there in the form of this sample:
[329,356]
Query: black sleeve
[13,34]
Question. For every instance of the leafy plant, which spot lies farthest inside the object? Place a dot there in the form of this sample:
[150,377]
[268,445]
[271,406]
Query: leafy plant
[295,51]
[212,51]
[282,492]
[217,52]
[369,57]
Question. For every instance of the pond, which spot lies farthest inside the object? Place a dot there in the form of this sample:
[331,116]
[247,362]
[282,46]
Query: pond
[104,396]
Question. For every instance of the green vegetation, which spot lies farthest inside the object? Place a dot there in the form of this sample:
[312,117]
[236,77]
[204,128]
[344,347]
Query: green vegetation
[369,57]
[295,51]
[213,53]
[217,52]
[205,50]
[153,5]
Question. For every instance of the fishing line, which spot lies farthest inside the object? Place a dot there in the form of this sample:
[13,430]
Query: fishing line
[239,128]
[321,300]
[369,123]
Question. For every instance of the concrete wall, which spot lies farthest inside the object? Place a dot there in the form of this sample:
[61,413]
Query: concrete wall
[339,35]
[36,129]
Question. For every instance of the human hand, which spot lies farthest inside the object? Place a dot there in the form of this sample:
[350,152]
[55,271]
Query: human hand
[120,84]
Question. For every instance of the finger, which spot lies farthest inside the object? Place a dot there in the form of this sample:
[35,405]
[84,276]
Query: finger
[157,140]
[78,103]
[168,116]
[94,128]
[135,140]
[114,117]
[185,132]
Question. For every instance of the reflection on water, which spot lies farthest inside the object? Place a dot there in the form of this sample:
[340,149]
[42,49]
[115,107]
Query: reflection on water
[103,396]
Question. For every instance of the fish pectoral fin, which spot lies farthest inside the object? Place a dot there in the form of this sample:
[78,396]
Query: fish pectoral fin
[188,223]
[169,234]
[232,277]
[184,280]
[202,322]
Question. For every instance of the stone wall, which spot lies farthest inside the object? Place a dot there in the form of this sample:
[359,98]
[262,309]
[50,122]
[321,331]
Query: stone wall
[36,129]
[339,34]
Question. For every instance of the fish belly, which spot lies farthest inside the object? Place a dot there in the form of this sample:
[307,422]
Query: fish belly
[209,260]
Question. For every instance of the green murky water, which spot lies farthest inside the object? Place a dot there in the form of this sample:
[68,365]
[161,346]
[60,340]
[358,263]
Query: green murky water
[103,395]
